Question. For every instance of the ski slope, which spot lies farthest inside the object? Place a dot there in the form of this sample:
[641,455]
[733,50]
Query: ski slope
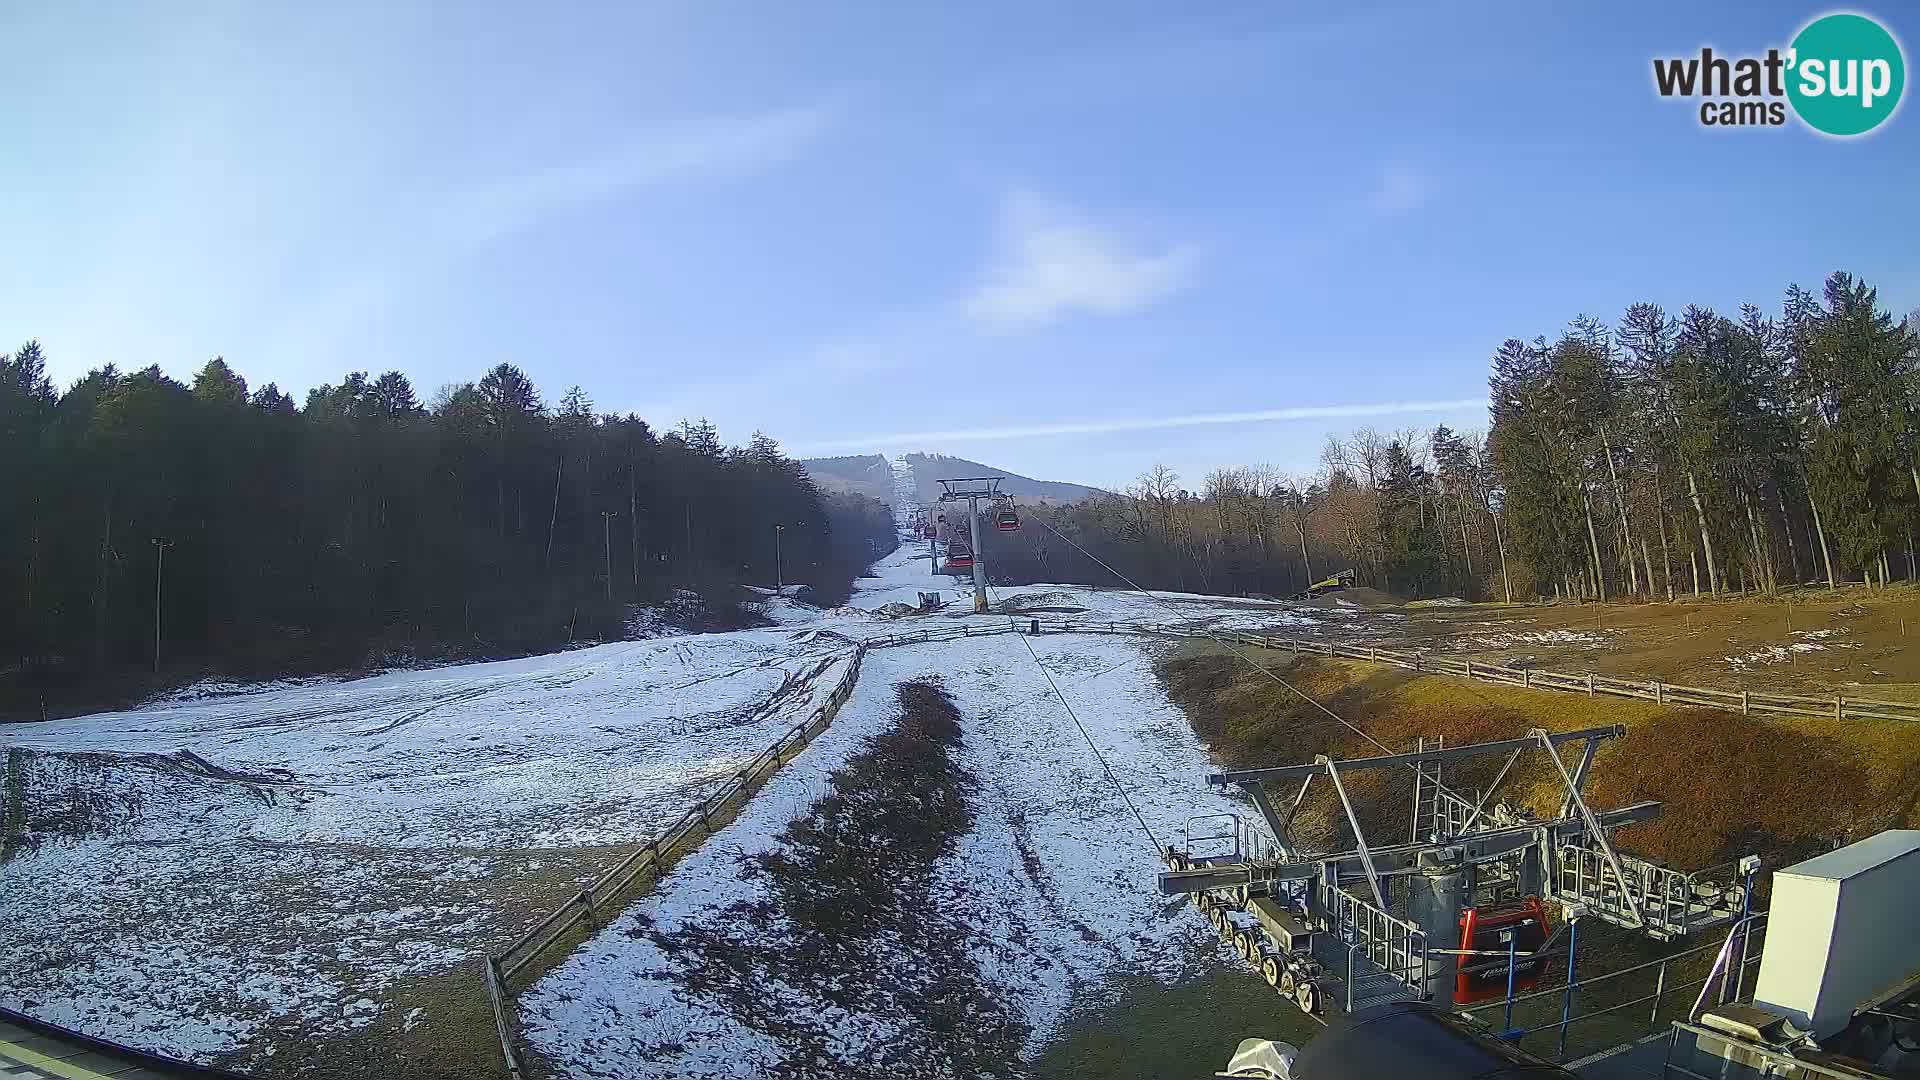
[230,867]
[1053,885]
[251,874]
[1052,888]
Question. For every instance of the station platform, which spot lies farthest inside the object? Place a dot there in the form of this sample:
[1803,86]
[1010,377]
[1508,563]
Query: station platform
[33,1050]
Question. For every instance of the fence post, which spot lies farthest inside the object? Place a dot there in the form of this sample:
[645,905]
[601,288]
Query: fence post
[1469,667]
[495,992]
[1373,654]
[1659,698]
[1526,678]
[1839,707]
[1589,684]
[1743,703]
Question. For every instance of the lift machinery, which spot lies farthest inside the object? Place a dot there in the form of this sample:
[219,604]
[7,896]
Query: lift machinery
[1453,910]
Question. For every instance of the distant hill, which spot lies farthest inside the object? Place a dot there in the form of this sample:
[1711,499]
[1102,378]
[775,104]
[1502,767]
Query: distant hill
[872,475]
[861,474]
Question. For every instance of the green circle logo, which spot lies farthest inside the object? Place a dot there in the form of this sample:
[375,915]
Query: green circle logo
[1845,74]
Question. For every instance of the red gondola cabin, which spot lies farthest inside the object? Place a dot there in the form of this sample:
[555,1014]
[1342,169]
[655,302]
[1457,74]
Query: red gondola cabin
[1484,978]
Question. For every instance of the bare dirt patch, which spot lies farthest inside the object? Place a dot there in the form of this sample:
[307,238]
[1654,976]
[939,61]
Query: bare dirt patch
[853,909]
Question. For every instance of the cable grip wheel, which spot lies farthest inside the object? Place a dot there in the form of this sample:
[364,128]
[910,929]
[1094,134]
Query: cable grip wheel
[1307,995]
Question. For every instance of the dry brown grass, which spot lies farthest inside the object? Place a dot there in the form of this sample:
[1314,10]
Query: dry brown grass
[1689,641]
[1785,787]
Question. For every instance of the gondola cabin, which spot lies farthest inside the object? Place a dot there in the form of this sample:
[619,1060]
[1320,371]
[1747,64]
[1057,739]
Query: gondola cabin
[959,560]
[1006,520]
[1484,978]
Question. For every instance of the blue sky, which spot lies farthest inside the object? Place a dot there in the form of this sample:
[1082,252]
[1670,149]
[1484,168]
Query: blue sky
[1072,240]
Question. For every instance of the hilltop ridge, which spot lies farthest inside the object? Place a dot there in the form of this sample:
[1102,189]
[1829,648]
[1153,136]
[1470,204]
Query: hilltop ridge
[872,475]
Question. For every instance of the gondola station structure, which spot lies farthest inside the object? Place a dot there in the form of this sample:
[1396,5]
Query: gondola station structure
[1461,906]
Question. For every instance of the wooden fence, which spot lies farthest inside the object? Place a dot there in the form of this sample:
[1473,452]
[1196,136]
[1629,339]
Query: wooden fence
[1745,702]
[698,821]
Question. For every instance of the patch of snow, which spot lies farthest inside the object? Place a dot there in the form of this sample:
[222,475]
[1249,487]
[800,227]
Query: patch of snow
[1810,641]
[1499,640]
[784,612]
[644,623]
[223,687]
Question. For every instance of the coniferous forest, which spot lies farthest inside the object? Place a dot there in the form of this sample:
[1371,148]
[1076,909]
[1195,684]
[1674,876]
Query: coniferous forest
[1662,455]
[1667,454]
[365,526]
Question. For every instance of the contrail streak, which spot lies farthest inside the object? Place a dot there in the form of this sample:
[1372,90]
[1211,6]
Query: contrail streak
[1108,427]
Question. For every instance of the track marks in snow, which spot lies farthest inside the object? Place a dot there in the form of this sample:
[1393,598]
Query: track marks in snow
[1050,889]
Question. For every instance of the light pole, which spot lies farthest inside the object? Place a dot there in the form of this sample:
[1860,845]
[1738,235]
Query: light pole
[159,572]
[779,573]
[606,537]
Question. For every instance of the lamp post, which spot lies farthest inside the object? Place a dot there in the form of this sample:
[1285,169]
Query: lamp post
[779,575]
[606,537]
[160,547]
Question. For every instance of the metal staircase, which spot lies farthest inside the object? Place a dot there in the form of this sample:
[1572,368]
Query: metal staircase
[1374,956]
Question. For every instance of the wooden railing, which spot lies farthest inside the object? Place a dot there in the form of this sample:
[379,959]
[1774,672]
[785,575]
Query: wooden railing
[1746,702]
[650,857]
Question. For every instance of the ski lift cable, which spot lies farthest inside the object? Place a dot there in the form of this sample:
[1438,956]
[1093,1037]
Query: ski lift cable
[1152,840]
[1248,660]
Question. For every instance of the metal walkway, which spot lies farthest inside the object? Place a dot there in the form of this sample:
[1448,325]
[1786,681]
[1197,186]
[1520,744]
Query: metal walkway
[30,1050]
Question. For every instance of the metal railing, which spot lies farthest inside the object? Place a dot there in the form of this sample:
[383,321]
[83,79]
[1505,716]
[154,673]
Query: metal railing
[1451,814]
[1665,988]
[1394,945]
[1670,901]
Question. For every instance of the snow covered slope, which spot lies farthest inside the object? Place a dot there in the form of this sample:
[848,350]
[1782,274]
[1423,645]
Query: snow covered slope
[1052,889]
[230,871]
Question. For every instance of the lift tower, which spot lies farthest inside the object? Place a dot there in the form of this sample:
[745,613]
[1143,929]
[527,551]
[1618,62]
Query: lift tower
[970,490]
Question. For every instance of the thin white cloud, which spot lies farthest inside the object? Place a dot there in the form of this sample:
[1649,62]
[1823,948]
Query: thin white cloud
[735,143]
[464,221]
[1109,427]
[1057,262]
[1400,187]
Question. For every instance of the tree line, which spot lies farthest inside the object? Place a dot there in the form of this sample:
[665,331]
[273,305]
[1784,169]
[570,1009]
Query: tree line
[1663,455]
[243,533]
